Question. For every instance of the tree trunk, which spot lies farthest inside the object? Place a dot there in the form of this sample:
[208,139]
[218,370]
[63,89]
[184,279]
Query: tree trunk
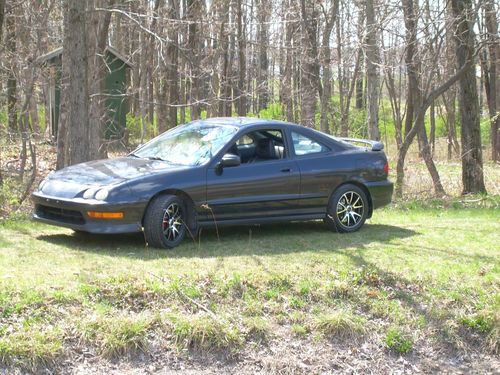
[75,47]
[2,16]
[97,42]
[287,82]
[360,102]
[242,68]
[372,70]
[418,105]
[432,135]
[172,64]
[493,75]
[326,95]
[395,99]
[10,44]
[194,13]
[472,160]
[310,67]
[263,8]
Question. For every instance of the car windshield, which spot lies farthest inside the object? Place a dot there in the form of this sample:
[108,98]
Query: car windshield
[190,145]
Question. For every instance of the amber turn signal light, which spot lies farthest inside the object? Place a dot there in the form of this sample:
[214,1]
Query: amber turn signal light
[105,215]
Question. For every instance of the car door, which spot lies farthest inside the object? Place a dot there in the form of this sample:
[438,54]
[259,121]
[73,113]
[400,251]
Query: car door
[320,171]
[263,188]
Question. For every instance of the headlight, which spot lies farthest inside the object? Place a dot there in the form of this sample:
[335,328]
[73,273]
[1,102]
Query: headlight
[42,184]
[101,194]
[89,193]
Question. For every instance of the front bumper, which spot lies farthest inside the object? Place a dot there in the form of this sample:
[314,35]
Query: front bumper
[380,193]
[72,213]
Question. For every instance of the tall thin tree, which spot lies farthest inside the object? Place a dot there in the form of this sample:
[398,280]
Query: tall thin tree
[472,158]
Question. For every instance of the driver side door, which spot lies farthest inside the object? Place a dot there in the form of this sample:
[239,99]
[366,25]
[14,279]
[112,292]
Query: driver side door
[260,186]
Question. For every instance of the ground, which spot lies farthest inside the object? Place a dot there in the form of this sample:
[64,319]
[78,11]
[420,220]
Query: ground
[416,290]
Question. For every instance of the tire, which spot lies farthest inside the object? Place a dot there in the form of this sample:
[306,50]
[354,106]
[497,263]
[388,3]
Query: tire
[347,209]
[164,222]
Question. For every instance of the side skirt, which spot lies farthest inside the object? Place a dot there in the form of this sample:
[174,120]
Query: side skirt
[263,220]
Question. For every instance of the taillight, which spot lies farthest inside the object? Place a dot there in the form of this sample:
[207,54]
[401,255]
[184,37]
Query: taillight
[386,168]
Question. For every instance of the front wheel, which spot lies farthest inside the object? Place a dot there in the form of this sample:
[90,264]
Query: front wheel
[347,209]
[164,222]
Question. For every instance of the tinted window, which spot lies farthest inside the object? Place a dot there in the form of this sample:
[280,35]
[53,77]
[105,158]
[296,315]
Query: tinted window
[260,146]
[304,145]
[245,140]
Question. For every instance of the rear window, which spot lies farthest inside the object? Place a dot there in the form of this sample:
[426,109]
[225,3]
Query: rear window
[304,145]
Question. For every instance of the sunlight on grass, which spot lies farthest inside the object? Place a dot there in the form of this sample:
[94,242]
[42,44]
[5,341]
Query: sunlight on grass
[434,273]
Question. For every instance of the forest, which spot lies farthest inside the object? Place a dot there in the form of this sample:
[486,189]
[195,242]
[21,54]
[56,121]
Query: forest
[410,73]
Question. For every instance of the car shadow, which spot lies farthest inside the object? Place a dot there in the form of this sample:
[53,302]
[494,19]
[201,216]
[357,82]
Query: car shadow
[235,241]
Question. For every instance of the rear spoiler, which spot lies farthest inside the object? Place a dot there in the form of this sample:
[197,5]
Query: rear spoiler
[374,145]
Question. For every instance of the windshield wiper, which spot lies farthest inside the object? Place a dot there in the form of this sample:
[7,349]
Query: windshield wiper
[133,155]
[155,158]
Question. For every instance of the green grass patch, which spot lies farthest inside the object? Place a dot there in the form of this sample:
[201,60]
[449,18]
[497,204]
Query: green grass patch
[31,345]
[398,341]
[203,332]
[434,271]
[342,324]
[116,334]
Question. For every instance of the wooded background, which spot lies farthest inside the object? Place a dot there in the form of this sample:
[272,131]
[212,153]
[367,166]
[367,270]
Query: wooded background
[432,65]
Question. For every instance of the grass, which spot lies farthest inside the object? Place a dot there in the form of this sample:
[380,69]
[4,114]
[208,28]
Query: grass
[434,272]
[341,323]
[398,341]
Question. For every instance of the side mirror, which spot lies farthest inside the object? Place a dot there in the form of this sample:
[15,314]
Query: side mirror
[230,160]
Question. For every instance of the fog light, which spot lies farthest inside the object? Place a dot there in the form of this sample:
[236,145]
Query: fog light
[105,215]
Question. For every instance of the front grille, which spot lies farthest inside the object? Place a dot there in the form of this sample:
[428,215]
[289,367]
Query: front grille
[59,214]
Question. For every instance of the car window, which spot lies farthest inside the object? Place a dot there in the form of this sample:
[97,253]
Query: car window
[260,146]
[245,140]
[304,145]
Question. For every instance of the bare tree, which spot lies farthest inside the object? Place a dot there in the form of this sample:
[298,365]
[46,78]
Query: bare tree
[492,76]
[372,69]
[326,93]
[97,38]
[76,90]
[10,43]
[2,15]
[263,8]
[309,64]
[287,84]
[242,65]
[472,159]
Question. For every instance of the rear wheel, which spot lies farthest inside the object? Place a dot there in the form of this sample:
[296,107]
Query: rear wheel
[164,222]
[347,209]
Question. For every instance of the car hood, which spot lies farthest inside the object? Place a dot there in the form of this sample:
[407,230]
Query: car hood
[71,181]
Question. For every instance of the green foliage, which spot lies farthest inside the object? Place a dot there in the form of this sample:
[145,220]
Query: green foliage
[479,322]
[9,194]
[41,119]
[273,112]
[3,119]
[134,126]
[398,341]
[299,330]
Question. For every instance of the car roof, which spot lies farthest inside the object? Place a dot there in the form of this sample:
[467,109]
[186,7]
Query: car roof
[243,122]
[239,121]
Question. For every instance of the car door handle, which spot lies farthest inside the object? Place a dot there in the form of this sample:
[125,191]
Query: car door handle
[286,170]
